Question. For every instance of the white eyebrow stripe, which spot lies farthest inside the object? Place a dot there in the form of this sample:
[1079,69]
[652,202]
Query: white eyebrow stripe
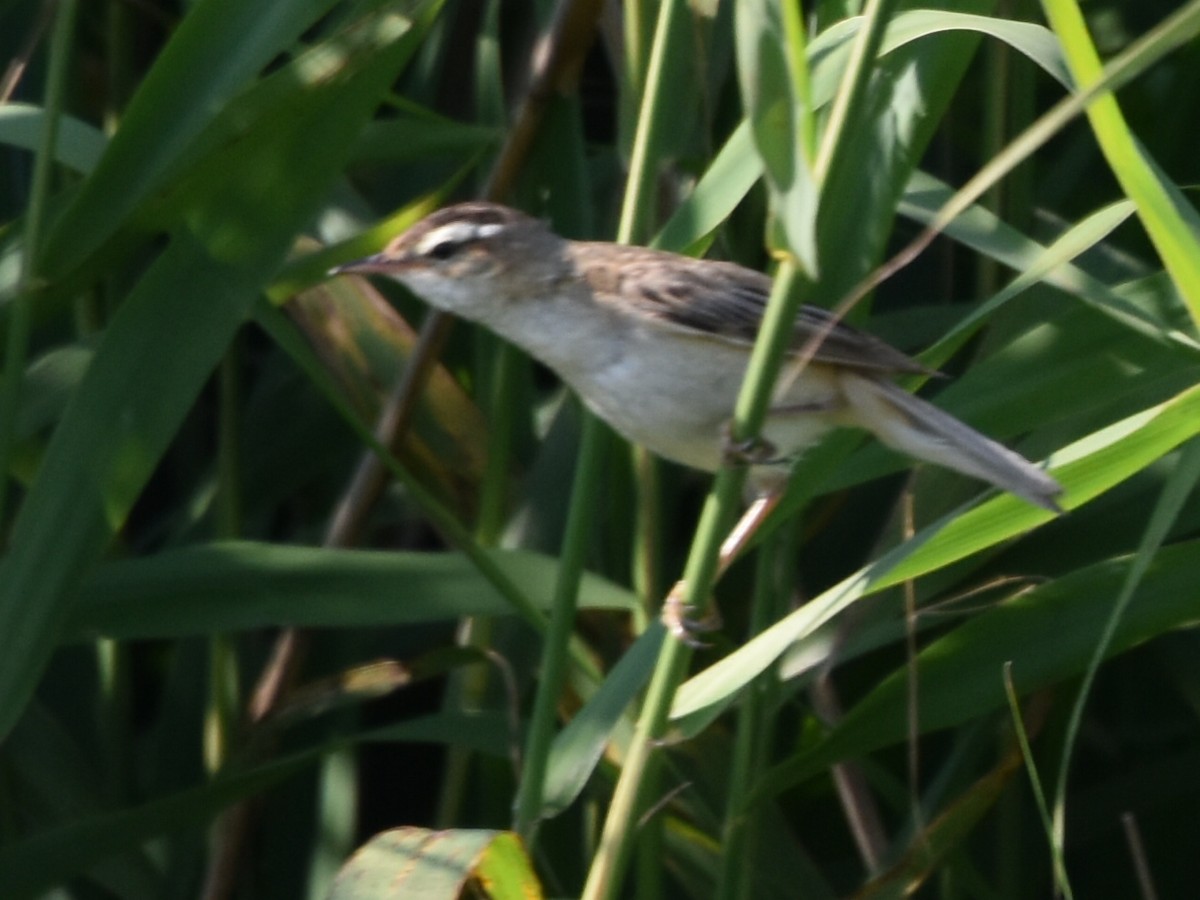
[457,233]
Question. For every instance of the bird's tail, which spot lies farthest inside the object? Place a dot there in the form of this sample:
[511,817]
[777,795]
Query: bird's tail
[911,425]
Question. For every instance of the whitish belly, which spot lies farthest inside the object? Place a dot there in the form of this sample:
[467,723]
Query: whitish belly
[680,408]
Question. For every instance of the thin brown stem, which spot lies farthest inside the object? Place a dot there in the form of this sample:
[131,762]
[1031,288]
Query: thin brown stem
[1133,837]
[850,783]
[20,62]
[913,687]
[557,59]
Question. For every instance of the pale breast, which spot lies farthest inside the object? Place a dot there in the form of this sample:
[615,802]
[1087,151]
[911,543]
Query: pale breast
[678,403]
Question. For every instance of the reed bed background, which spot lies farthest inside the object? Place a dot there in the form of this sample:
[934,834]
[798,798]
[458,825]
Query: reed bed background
[289,563]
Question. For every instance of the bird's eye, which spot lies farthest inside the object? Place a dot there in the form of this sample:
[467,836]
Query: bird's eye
[444,249]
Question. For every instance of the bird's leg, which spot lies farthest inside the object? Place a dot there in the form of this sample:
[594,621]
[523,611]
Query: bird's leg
[757,451]
[756,513]
[676,615]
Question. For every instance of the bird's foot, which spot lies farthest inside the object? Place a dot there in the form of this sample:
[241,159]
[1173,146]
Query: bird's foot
[755,451]
[677,616]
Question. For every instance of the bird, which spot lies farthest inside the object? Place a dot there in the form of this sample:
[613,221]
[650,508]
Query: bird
[656,344]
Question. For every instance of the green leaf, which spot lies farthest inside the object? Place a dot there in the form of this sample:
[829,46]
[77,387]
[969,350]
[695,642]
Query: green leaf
[112,434]
[411,140]
[1085,468]
[830,49]
[578,747]
[729,177]
[78,146]
[62,780]
[983,231]
[1048,635]
[438,865]
[49,383]
[488,732]
[365,343]
[777,115]
[236,585]
[885,136]
[182,95]
[1170,220]
[164,342]
[32,866]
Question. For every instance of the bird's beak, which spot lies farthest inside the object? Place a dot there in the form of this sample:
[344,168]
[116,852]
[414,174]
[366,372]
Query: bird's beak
[377,262]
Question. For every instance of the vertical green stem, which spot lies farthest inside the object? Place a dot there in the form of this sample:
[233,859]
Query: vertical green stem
[797,40]
[751,739]
[467,686]
[21,315]
[336,821]
[223,692]
[854,82]
[555,655]
[637,206]
[612,858]
[228,499]
[506,363]
[616,840]
[635,217]
[995,108]
[646,529]
[224,684]
[113,714]
[559,635]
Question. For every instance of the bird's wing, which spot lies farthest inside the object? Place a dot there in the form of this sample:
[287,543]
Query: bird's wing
[725,301]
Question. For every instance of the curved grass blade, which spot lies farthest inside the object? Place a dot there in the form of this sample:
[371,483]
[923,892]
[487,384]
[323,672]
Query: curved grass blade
[236,585]
[1048,635]
[1086,469]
